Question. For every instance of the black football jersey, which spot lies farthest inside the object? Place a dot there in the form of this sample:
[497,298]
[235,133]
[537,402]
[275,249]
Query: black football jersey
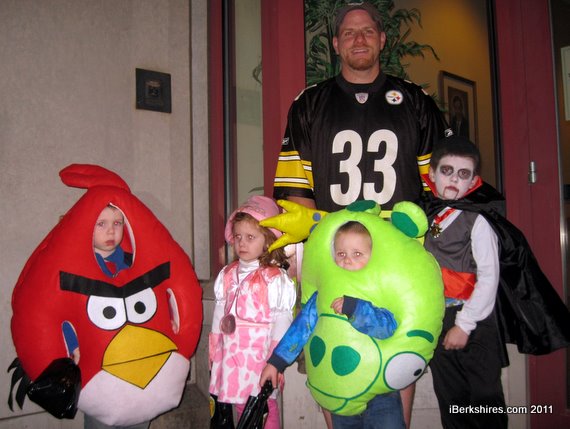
[346,142]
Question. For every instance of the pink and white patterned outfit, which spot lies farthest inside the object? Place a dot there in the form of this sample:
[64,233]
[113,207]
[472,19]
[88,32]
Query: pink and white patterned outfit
[261,299]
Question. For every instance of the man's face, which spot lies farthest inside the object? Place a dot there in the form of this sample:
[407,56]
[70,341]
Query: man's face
[453,177]
[359,42]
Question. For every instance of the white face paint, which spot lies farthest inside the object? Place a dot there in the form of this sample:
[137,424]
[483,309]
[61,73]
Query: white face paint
[453,177]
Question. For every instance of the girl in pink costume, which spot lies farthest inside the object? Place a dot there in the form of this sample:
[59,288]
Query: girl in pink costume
[254,301]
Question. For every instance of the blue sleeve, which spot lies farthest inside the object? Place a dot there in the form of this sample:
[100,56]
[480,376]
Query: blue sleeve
[296,336]
[369,319]
[70,337]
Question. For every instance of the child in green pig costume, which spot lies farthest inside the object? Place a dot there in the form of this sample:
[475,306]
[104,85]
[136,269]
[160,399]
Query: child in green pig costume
[352,370]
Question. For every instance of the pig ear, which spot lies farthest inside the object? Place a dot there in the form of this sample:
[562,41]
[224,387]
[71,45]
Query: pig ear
[410,219]
[86,176]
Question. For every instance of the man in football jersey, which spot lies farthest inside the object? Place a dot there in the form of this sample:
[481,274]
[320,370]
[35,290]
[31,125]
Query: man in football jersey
[359,135]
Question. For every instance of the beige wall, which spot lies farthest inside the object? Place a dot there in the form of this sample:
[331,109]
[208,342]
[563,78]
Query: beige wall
[68,96]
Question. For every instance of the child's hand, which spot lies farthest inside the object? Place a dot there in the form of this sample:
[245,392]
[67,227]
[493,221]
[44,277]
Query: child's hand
[75,355]
[213,341]
[455,339]
[268,373]
[337,305]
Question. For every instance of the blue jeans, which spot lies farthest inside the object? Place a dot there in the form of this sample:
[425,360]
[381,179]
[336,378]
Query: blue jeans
[382,412]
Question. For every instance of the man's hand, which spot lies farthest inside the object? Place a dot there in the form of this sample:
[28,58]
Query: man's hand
[296,223]
[455,339]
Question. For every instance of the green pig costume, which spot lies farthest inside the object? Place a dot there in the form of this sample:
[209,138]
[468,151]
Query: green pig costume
[345,367]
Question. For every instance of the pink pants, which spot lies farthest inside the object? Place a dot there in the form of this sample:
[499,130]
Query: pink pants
[272,421]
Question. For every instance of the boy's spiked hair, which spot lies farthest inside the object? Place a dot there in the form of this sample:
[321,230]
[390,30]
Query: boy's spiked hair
[456,146]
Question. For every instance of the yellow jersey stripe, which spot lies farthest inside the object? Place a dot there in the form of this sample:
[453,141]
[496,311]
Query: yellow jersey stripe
[423,165]
[293,172]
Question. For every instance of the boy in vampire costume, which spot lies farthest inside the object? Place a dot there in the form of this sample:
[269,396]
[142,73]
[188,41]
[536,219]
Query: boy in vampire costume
[529,312]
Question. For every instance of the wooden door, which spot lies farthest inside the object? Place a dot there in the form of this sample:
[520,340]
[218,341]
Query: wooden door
[529,133]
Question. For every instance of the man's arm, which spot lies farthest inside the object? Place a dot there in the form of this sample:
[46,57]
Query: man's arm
[307,202]
[293,174]
[433,128]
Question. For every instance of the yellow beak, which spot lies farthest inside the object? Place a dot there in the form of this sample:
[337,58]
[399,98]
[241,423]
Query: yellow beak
[137,354]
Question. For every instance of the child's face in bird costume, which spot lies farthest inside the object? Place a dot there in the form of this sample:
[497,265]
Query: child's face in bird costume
[108,231]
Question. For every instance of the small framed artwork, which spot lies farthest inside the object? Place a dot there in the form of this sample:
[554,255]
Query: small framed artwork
[153,91]
[459,96]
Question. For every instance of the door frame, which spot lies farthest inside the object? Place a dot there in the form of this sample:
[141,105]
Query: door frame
[529,133]
[283,53]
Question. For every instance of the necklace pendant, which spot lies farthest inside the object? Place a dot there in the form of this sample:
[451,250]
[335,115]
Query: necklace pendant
[435,230]
[228,324]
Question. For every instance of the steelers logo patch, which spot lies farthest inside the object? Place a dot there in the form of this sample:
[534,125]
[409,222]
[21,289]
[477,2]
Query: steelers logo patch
[361,97]
[394,97]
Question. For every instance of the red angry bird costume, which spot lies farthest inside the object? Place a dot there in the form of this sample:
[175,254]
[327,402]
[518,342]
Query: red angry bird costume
[136,331]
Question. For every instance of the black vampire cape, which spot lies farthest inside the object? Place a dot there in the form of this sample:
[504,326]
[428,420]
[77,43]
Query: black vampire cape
[529,312]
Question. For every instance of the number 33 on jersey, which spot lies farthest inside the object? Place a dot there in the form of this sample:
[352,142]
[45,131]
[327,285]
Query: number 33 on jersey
[346,142]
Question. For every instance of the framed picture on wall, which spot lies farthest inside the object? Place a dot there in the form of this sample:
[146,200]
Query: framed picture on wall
[459,97]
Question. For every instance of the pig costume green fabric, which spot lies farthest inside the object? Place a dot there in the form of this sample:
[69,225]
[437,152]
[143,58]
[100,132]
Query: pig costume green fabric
[346,368]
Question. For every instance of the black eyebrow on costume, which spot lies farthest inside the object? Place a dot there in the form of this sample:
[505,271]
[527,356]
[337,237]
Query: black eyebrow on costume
[85,286]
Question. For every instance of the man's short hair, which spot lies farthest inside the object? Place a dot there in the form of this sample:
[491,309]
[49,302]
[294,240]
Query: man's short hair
[365,6]
[456,146]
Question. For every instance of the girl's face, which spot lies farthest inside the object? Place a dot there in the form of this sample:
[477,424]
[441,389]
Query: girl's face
[249,241]
[453,177]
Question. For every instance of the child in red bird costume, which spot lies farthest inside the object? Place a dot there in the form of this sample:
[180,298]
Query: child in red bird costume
[136,327]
